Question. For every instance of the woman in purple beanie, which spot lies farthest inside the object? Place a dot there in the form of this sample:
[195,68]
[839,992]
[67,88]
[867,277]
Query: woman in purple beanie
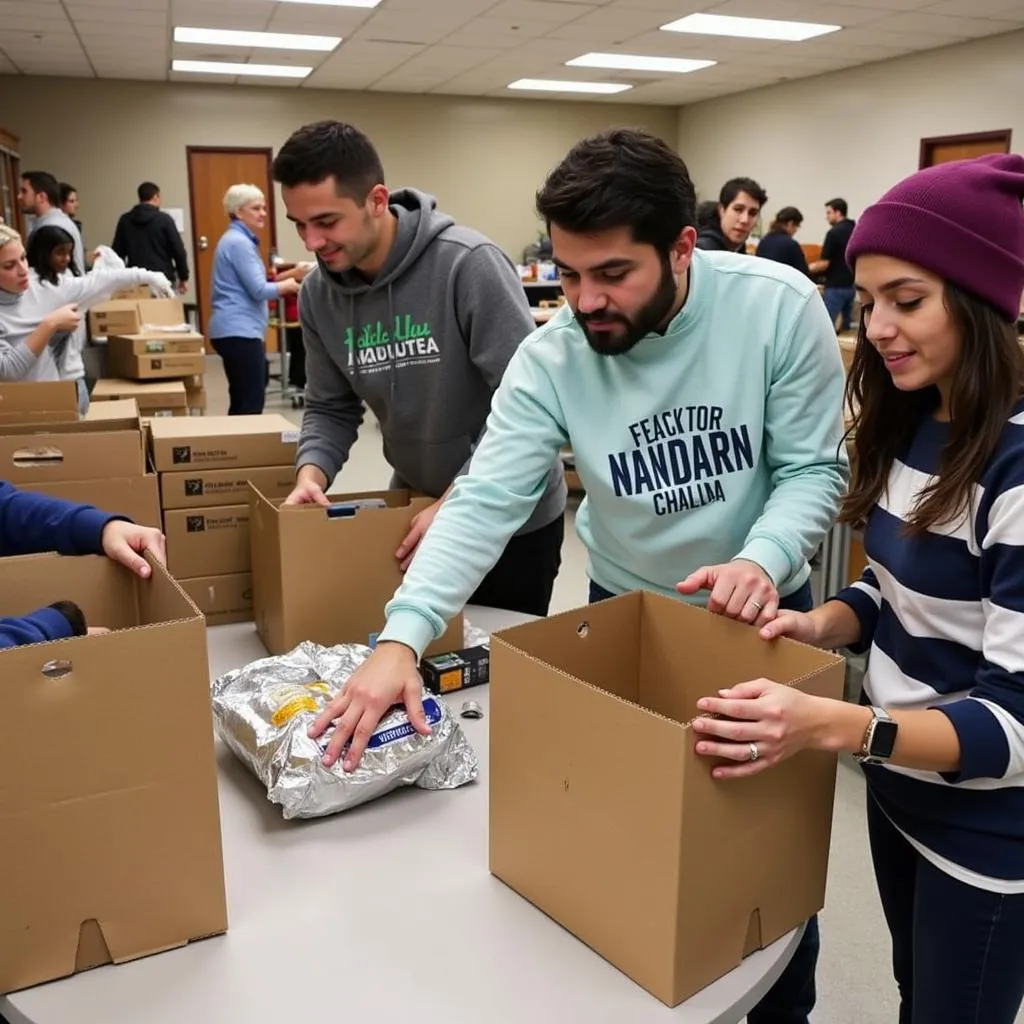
[937,382]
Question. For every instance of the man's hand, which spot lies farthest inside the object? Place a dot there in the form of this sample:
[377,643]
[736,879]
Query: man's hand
[309,488]
[126,543]
[417,530]
[387,677]
[288,287]
[740,590]
[181,287]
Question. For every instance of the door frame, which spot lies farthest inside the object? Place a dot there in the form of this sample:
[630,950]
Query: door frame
[1002,135]
[265,151]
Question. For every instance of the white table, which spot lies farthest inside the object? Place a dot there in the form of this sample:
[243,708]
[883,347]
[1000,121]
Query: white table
[386,912]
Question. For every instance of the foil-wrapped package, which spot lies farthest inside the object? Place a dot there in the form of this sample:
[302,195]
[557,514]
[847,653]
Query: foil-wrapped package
[263,713]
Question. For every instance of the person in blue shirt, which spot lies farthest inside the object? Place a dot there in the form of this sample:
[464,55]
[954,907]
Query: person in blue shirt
[33,523]
[779,243]
[240,293]
[701,393]
[937,380]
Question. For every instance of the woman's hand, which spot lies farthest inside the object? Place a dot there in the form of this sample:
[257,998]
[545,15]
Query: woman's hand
[800,626]
[67,318]
[762,724]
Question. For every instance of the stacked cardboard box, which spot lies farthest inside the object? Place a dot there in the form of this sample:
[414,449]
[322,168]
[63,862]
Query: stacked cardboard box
[149,340]
[205,466]
[44,447]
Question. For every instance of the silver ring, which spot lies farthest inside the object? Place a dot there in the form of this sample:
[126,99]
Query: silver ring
[754,752]
[757,604]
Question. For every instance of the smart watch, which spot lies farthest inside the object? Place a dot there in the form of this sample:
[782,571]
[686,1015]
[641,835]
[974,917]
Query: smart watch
[879,738]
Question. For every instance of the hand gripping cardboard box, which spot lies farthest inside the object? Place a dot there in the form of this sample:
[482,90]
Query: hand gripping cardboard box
[111,844]
[604,817]
[327,579]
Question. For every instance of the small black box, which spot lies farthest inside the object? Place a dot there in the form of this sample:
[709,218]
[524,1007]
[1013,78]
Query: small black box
[446,673]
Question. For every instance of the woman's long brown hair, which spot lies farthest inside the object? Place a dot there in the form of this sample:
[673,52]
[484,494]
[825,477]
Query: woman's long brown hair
[988,380]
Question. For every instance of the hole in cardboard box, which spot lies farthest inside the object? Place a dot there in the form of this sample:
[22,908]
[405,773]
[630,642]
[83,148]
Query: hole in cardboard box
[583,630]
[45,456]
[56,669]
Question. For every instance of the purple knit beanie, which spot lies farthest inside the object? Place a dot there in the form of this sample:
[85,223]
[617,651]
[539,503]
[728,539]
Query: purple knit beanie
[961,220]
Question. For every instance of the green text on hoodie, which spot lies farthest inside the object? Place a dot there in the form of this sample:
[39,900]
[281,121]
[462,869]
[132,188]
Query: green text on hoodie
[719,439]
[424,345]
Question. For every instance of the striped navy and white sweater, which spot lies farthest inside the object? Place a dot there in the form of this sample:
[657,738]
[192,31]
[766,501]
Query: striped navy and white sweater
[943,617]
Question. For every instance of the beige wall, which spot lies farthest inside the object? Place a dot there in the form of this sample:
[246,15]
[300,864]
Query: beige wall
[853,133]
[484,159]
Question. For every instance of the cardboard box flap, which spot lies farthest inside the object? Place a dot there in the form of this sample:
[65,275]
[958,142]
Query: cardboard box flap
[161,312]
[121,409]
[126,421]
[222,426]
[44,401]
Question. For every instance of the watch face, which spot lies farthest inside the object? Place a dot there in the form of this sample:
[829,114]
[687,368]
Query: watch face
[883,740]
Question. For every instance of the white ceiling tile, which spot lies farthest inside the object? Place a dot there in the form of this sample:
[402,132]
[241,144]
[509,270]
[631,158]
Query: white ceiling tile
[318,19]
[410,27]
[540,10]
[451,59]
[27,9]
[931,24]
[798,10]
[6,67]
[122,5]
[610,24]
[156,20]
[1010,10]
[470,8]
[499,32]
[889,5]
[248,17]
[677,8]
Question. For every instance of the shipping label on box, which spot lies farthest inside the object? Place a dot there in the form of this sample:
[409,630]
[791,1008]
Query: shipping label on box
[206,487]
[108,852]
[222,599]
[207,541]
[705,870]
[38,402]
[294,603]
[224,442]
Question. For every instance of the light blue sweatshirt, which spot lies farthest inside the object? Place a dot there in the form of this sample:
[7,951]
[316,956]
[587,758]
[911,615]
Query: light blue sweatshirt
[720,439]
[240,290]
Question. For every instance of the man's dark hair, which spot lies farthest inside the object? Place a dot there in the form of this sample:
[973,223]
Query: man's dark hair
[148,191]
[707,215]
[317,151]
[839,205]
[734,186]
[42,181]
[621,178]
[66,192]
[788,215]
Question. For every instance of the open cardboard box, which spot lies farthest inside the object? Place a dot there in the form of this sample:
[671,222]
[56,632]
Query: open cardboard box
[327,580]
[38,402]
[110,845]
[86,450]
[604,817]
[129,316]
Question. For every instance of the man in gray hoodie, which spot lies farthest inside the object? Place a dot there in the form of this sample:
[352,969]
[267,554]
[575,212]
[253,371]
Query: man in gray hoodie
[417,318]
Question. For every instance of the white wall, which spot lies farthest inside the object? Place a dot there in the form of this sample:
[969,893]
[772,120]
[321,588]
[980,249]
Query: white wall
[853,133]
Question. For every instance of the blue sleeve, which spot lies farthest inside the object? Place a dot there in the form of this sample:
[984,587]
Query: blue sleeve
[803,427]
[45,624]
[32,523]
[863,598]
[245,261]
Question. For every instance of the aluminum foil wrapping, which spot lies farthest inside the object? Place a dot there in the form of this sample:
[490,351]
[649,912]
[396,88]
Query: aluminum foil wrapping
[263,712]
[474,636]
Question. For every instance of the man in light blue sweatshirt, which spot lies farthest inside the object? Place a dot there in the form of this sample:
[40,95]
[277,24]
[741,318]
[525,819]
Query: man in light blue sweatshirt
[702,395]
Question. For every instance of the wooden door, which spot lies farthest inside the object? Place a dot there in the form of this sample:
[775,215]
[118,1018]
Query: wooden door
[963,147]
[10,180]
[211,172]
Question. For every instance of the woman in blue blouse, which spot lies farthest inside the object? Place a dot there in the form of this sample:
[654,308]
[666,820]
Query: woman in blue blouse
[240,295]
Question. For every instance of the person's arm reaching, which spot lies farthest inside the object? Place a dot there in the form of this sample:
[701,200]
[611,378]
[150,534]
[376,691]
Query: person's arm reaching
[244,260]
[56,622]
[524,433]
[17,360]
[99,285]
[32,523]
[331,420]
[803,446]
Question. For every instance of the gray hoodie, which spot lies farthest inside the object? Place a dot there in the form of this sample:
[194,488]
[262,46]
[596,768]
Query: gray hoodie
[424,345]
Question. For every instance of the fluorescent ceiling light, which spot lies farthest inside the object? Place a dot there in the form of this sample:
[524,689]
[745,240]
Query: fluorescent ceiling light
[749,28]
[220,67]
[260,40]
[555,85]
[636,62]
[334,3]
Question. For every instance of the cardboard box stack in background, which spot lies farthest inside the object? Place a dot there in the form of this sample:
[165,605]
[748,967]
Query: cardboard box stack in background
[99,460]
[149,340]
[693,872]
[327,579]
[108,852]
[205,465]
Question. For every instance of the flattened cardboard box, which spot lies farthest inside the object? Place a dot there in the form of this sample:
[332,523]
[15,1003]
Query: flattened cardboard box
[207,541]
[38,402]
[693,873]
[224,442]
[137,497]
[207,487]
[327,580]
[222,599]
[86,450]
[108,852]
[168,394]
